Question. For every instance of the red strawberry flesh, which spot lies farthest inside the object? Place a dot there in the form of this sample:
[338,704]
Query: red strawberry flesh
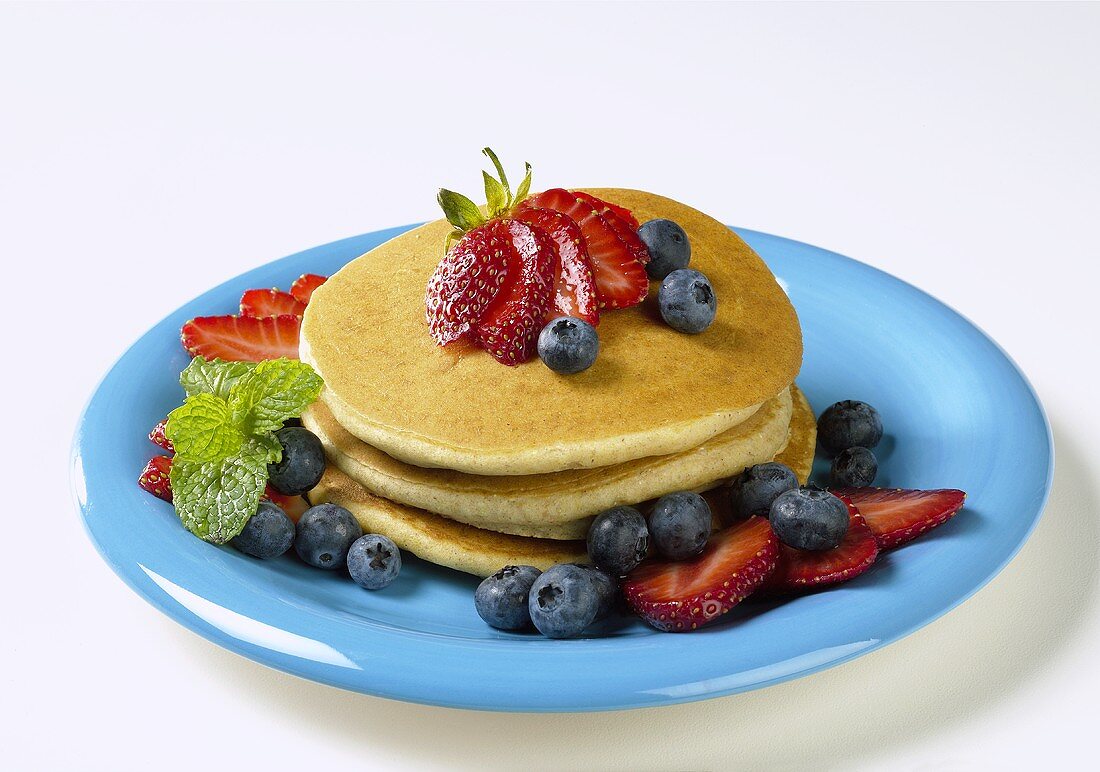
[574,287]
[808,569]
[242,338]
[260,303]
[898,515]
[682,596]
[510,325]
[154,477]
[303,287]
[467,280]
[159,438]
[626,228]
[600,205]
[621,280]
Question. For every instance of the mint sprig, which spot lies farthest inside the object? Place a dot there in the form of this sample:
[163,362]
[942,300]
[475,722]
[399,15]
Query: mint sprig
[224,438]
[465,215]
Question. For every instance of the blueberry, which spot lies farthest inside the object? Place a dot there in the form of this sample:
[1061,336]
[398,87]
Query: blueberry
[267,534]
[607,589]
[373,561]
[302,464]
[849,424]
[563,601]
[808,519]
[618,540]
[854,468]
[754,490]
[668,245]
[324,534]
[501,600]
[568,345]
[680,525]
[687,301]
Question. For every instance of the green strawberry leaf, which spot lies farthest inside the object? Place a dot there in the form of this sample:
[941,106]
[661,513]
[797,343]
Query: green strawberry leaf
[503,177]
[276,390]
[524,185]
[495,196]
[212,376]
[203,429]
[214,499]
[460,211]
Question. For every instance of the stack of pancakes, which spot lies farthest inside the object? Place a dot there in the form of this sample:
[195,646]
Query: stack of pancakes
[474,465]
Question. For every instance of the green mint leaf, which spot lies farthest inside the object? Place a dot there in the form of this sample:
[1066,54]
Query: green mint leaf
[524,186]
[500,172]
[212,376]
[203,429]
[497,200]
[460,211]
[214,499]
[272,448]
[277,389]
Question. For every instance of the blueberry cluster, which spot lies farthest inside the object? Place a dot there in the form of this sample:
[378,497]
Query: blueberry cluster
[803,518]
[326,536]
[566,599]
[848,431]
[686,301]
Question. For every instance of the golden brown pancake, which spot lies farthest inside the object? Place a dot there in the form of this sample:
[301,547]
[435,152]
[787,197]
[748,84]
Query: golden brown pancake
[535,504]
[798,454]
[482,552]
[802,441]
[439,540]
[652,390]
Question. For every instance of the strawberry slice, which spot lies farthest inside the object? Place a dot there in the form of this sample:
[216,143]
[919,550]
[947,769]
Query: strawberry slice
[626,228]
[159,438]
[897,515]
[260,303]
[511,324]
[621,280]
[574,287]
[809,569]
[303,287]
[242,338]
[682,596]
[154,477]
[467,280]
[606,206]
[294,506]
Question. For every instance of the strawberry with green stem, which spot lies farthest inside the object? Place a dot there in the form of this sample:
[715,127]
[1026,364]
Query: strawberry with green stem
[496,282]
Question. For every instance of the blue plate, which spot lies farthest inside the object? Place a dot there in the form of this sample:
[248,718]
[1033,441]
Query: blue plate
[958,414]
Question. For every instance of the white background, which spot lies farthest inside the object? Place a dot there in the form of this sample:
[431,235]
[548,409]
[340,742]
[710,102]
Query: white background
[149,152]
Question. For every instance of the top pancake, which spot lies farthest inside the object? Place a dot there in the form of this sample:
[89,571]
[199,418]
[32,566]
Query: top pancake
[651,391]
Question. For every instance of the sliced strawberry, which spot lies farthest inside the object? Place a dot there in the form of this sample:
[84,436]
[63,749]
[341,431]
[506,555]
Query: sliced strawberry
[510,326]
[294,506]
[154,477]
[467,280]
[260,303]
[808,569]
[621,280]
[681,596]
[600,205]
[303,287]
[574,287]
[897,515]
[626,228]
[242,338]
[158,437]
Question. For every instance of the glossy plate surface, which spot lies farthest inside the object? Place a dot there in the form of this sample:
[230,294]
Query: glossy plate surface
[958,413]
